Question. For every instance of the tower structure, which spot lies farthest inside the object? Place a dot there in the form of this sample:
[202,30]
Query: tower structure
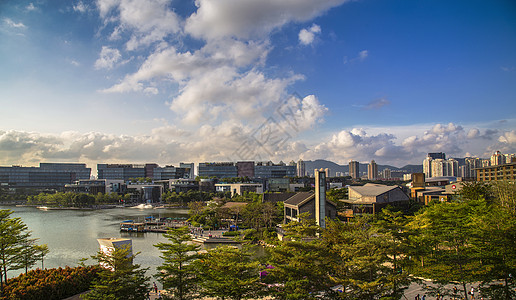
[320,197]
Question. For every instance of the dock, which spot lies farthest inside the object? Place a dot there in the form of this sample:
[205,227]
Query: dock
[151,225]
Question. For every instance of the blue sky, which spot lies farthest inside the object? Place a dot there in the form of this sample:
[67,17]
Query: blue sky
[169,81]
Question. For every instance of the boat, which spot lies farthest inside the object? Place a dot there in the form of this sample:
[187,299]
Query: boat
[42,207]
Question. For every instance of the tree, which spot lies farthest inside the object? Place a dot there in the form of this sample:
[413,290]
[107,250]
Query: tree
[177,273]
[41,252]
[445,232]
[366,258]
[228,272]
[494,237]
[13,236]
[119,279]
[300,263]
[393,224]
[28,254]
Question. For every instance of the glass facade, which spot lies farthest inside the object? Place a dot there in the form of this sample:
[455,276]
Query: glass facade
[46,176]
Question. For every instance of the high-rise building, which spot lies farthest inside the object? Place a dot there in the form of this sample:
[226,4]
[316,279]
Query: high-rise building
[438,167]
[354,169]
[486,163]
[497,159]
[442,167]
[386,174]
[427,167]
[301,168]
[470,164]
[437,155]
[372,170]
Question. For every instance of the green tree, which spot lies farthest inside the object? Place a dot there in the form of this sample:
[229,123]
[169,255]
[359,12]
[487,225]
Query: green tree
[177,273]
[28,254]
[300,263]
[229,273]
[445,231]
[366,258]
[494,237]
[13,236]
[120,279]
[41,252]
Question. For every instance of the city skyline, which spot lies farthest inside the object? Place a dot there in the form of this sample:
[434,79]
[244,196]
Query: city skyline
[168,81]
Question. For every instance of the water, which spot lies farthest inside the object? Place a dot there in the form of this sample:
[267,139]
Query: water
[72,234]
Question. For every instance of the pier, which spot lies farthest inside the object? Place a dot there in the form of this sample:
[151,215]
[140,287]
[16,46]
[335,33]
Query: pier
[162,225]
[151,224]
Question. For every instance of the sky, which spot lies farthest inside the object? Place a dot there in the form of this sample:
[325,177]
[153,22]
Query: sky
[169,81]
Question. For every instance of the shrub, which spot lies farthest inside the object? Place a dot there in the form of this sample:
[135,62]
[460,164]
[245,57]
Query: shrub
[50,284]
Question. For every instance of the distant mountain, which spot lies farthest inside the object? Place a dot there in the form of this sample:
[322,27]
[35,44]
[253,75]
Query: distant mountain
[334,167]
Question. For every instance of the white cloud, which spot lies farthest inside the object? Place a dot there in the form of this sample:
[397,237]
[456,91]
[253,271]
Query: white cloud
[508,137]
[31,7]
[251,19]
[169,143]
[80,7]
[13,24]
[108,58]
[74,62]
[307,36]
[148,21]
[363,55]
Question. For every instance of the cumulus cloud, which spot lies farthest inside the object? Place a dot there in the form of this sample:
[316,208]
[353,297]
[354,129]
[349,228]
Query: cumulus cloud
[147,21]
[233,140]
[108,58]
[508,137]
[224,74]
[307,36]
[250,19]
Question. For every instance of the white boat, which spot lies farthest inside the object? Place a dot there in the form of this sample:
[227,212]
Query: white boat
[42,207]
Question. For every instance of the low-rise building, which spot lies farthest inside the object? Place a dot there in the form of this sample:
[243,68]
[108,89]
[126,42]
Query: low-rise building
[239,188]
[48,176]
[95,186]
[497,172]
[304,202]
[371,198]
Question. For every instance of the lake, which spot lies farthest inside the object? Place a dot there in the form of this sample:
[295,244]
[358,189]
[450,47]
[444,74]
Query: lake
[72,234]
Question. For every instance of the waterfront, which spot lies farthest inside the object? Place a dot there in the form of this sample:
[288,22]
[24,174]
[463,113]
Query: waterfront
[72,234]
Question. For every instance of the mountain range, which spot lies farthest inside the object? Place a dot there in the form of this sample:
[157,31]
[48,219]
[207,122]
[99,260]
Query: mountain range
[334,167]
